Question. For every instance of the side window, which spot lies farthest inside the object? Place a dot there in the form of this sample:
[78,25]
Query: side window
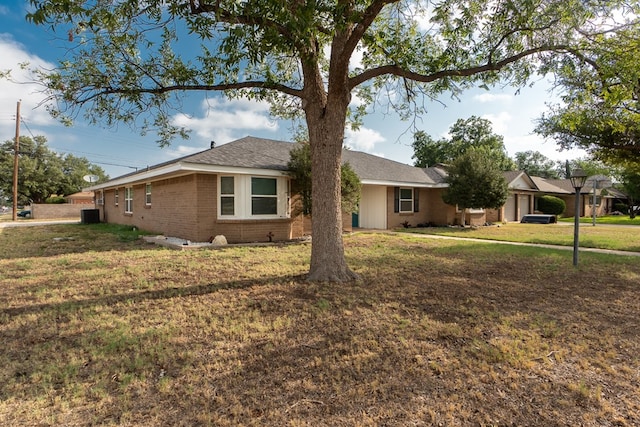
[147,194]
[406,199]
[116,196]
[227,196]
[128,200]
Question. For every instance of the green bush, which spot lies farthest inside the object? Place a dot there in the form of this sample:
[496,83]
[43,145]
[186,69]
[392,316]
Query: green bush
[551,205]
[621,207]
[57,200]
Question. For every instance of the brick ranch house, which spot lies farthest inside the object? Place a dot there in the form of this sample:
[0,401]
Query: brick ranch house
[242,190]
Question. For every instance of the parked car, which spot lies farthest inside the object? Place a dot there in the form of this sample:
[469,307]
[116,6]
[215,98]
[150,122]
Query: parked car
[24,214]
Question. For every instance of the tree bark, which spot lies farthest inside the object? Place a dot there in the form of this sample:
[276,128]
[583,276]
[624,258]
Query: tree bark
[328,263]
[326,115]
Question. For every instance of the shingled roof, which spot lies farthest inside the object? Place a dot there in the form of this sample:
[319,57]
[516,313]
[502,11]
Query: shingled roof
[260,153]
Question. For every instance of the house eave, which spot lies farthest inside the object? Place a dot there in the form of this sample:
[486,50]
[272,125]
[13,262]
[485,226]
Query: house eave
[402,183]
[181,169]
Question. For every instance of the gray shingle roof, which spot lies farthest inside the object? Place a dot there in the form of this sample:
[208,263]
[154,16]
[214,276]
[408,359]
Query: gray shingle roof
[261,153]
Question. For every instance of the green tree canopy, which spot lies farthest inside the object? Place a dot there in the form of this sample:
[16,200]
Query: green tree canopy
[536,164]
[42,172]
[126,58]
[474,132]
[300,170]
[601,100]
[475,181]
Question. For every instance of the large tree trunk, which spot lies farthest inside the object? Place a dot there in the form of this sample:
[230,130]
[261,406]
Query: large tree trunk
[327,250]
[325,110]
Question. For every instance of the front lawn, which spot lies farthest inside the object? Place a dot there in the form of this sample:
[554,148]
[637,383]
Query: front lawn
[98,328]
[601,236]
[609,219]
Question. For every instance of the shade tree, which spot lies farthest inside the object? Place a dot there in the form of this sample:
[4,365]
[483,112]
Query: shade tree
[132,60]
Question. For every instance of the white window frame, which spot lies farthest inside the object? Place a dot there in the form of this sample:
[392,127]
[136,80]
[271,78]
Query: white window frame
[147,194]
[243,196]
[400,200]
[116,197]
[100,197]
[227,196]
[128,200]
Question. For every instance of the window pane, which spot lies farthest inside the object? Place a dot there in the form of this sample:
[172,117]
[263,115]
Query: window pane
[226,185]
[264,186]
[264,205]
[406,206]
[406,193]
[227,206]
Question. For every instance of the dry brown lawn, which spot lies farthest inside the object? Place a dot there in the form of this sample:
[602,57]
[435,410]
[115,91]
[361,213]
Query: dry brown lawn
[98,329]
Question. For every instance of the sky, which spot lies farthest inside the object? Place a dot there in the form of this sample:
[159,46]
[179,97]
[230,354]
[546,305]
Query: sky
[121,150]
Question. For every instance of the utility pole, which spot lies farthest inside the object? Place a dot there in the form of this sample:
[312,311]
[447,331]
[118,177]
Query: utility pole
[15,165]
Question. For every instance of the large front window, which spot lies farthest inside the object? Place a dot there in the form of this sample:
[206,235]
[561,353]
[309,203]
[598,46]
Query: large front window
[246,197]
[264,196]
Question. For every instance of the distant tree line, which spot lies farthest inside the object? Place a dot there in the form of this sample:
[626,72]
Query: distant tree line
[42,173]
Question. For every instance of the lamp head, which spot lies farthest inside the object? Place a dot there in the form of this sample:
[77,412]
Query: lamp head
[578,178]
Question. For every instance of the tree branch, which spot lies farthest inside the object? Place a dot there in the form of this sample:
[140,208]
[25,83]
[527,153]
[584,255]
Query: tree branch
[398,71]
[219,87]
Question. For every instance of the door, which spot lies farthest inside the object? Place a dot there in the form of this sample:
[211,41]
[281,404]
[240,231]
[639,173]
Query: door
[373,207]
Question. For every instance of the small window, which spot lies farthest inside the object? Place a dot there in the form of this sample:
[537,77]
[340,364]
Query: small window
[128,200]
[406,200]
[227,196]
[116,196]
[264,196]
[147,194]
[100,197]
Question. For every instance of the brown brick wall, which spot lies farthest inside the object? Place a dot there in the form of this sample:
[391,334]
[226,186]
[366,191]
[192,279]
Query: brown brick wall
[439,213]
[186,207]
[395,219]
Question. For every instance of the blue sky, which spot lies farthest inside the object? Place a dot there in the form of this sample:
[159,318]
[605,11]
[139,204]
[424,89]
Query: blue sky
[120,150]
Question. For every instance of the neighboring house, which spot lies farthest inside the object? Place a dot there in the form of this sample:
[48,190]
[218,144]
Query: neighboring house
[605,198]
[242,190]
[81,198]
[520,201]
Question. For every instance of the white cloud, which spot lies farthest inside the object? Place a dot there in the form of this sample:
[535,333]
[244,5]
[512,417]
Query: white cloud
[223,120]
[500,122]
[492,97]
[363,139]
[12,54]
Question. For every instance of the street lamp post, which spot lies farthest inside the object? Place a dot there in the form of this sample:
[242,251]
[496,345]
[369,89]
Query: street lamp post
[578,178]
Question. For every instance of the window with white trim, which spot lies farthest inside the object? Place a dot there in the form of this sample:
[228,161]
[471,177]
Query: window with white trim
[147,194]
[128,200]
[253,197]
[264,196]
[227,196]
[100,197]
[406,200]
[116,196]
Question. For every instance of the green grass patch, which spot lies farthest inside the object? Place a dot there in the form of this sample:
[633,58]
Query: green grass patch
[435,332]
[600,236]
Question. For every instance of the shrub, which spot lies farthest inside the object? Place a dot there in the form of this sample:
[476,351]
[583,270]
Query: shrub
[621,207]
[551,205]
[55,200]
